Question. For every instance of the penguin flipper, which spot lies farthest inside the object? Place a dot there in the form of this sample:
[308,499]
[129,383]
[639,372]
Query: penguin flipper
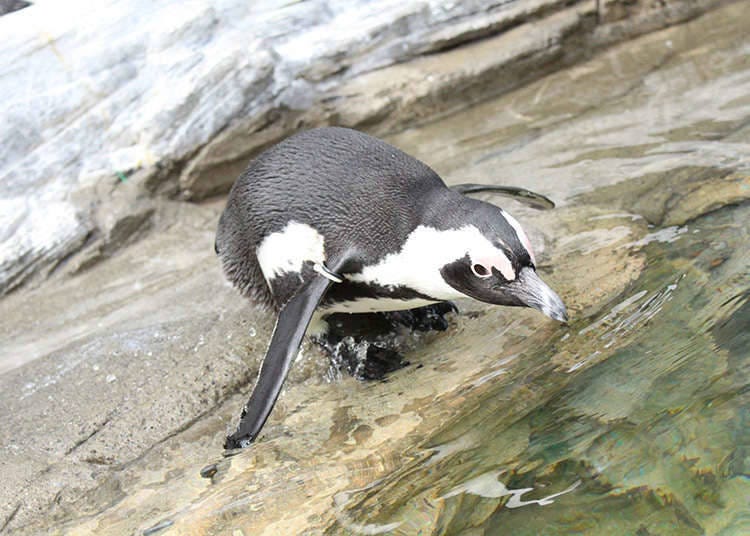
[291,325]
[523,195]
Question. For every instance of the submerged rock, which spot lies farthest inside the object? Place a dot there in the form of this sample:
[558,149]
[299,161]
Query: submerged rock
[676,196]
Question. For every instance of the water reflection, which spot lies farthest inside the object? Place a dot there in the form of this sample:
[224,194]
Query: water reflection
[488,486]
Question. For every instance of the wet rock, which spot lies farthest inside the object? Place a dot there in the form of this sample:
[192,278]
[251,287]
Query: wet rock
[676,196]
[601,245]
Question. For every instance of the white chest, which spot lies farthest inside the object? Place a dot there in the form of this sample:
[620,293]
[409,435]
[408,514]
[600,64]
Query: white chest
[372,305]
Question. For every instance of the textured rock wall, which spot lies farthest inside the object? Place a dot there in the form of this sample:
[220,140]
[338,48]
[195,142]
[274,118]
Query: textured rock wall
[175,97]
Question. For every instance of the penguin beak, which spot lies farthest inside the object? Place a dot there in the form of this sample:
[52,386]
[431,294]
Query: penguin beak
[533,292]
[526,290]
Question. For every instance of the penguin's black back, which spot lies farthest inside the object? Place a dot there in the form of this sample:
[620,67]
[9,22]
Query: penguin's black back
[357,191]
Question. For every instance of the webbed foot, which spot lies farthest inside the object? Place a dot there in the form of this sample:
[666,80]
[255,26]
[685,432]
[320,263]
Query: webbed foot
[359,343]
[427,318]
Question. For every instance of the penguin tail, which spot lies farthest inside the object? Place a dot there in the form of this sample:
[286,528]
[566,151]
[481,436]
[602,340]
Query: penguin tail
[528,197]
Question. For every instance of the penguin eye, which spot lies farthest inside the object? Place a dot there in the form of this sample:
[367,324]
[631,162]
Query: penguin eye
[480,270]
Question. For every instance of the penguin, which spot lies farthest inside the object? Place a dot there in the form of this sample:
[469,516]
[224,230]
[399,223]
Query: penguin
[332,220]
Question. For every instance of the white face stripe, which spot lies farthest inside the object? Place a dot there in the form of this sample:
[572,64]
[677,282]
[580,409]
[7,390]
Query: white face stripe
[286,250]
[425,252]
[525,242]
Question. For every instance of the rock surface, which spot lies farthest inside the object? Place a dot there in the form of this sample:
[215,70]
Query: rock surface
[177,96]
[118,385]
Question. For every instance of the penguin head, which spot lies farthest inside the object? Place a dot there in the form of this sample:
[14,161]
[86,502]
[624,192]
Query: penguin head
[500,267]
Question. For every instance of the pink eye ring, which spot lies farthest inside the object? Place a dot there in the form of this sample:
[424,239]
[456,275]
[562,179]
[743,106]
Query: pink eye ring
[480,270]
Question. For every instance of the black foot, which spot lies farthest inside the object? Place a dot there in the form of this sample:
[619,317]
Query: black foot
[427,318]
[365,345]
[364,359]
[379,362]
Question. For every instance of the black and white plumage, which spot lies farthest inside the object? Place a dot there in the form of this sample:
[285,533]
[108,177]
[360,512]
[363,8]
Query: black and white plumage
[333,220]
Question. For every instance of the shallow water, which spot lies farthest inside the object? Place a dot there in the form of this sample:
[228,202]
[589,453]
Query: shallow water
[645,432]
[631,420]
